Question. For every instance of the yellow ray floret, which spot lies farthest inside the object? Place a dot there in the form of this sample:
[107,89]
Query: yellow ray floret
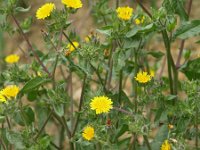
[2,99]
[73,3]
[124,13]
[166,145]
[101,104]
[12,59]
[10,91]
[45,10]
[143,77]
[88,133]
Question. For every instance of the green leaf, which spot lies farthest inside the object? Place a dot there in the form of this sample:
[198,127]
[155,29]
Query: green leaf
[34,83]
[29,115]
[131,43]
[15,139]
[59,109]
[25,116]
[138,29]
[2,118]
[160,137]
[44,142]
[121,131]
[187,29]
[31,96]
[156,54]
[192,69]
[171,97]
[105,30]
[21,9]
[180,10]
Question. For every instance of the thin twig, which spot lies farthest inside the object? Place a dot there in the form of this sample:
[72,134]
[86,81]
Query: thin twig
[31,47]
[67,37]
[124,111]
[71,100]
[80,105]
[55,146]
[100,79]
[45,123]
[3,144]
[183,41]
[63,123]
[8,122]
[162,68]
[144,8]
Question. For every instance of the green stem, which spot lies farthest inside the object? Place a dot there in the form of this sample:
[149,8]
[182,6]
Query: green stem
[3,144]
[71,101]
[99,77]
[120,86]
[169,63]
[80,105]
[197,129]
[147,142]
[8,122]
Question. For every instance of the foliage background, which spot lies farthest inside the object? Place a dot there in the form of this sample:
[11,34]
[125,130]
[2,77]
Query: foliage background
[84,24]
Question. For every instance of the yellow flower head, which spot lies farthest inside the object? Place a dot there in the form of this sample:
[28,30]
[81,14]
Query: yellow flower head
[152,73]
[124,13]
[143,77]
[10,91]
[73,3]
[2,99]
[88,38]
[88,133]
[166,145]
[170,126]
[101,104]
[45,11]
[71,48]
[12,59]
[139,21]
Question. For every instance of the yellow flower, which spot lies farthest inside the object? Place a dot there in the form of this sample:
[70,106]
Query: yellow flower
[2,98]
[139,21]
[39,74]
[71,48]
[166,145]
[87,39]
[143,77]
[10,91]
[45,11]
[124,13]
[88,133]
[152,73]
[101,104]
[12,59]
[170,126]
[73,3]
